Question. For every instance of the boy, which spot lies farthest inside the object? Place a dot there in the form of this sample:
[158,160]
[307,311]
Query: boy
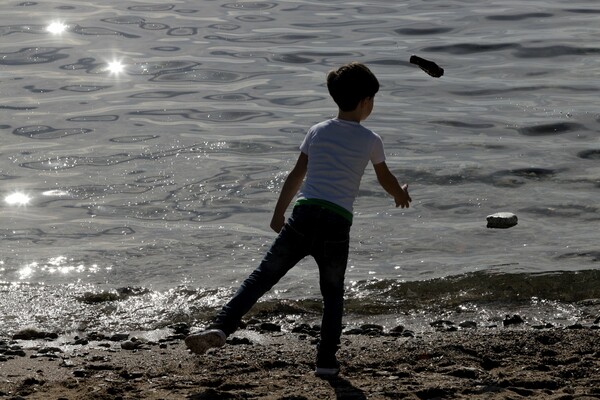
[333,157]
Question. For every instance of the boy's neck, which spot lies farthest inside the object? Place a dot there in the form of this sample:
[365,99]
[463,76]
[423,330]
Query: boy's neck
[360,113]
[353,116]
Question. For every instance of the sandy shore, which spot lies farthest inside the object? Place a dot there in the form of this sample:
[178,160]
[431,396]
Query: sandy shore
[491,363]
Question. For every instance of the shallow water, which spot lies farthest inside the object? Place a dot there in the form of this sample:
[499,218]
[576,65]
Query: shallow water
[162,176]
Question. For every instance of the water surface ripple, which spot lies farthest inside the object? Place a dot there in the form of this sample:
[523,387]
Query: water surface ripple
[144,145]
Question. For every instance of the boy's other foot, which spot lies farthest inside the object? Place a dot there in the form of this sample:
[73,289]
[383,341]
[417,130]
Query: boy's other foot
[200,342]
[327,367]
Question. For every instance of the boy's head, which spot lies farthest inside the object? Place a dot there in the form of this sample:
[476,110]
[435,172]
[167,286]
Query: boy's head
[350,84]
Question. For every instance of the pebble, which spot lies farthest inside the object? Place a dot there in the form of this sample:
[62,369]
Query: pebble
[514,320]
[502,220]
[468,324]
[119,337]
[180,328]
[270,327]
[130,345]
[33,334]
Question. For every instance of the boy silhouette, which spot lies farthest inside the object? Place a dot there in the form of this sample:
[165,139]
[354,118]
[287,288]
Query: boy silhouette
[326,177]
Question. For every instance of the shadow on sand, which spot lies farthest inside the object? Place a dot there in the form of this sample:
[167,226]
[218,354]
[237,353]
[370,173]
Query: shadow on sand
[344,390]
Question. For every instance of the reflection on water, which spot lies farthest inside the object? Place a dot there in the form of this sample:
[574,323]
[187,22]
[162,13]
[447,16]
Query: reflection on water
[56,27]
[17,199]
[115,67]
[145,145]
[59,265]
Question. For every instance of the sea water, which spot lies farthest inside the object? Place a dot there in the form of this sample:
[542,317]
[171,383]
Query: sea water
[144,144]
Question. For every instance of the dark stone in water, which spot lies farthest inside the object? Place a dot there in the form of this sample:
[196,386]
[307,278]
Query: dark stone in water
[180,328]
[398,330]
[119,337]
[575,326]
[514,320]
[125,292]
[33,334]
[502,220]
[270,327]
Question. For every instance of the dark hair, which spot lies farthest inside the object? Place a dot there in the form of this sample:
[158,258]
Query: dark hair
[350,84]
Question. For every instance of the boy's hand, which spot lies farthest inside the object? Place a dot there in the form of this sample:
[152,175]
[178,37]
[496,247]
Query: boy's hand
[389,182]
[403,199]
[277,222]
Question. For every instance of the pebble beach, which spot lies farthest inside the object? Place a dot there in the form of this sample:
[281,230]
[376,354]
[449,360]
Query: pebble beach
[264,361]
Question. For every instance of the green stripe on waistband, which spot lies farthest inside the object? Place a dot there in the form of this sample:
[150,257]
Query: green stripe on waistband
[328,205]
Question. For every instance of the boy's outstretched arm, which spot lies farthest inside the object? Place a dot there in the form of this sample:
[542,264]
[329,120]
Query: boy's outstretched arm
[388,181]
[288,191]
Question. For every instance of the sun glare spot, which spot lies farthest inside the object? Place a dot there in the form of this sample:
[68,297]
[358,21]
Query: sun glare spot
[56,28]
[115,67]
[17,199]
[27,270]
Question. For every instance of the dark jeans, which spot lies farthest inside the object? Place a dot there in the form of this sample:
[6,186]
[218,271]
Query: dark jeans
[311,230]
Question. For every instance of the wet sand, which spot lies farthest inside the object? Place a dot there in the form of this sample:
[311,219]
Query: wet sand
[261,362]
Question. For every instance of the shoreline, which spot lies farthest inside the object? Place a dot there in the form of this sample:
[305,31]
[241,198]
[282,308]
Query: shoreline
[262,362]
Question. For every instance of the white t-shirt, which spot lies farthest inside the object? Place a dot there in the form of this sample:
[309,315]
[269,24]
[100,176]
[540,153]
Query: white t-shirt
[338,152]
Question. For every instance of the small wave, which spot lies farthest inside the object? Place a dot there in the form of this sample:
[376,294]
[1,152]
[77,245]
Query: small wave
[565,210]
[550,129]
[554,51]
[519,17]
[36,55]
[461,124]
[470,48]
[484,288]
[593,154]
[98,31]
[250,5]
[423,31]
[94,118]
[481,296]
[47,132]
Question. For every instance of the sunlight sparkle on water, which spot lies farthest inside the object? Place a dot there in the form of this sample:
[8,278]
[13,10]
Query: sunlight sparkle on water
[17,199]
[27,270]
[56,27]
[115,67]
